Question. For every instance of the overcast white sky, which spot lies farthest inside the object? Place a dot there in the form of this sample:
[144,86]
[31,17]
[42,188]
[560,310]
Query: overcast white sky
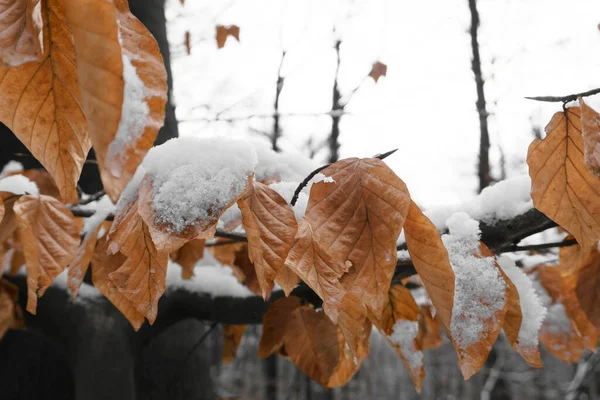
[426,104]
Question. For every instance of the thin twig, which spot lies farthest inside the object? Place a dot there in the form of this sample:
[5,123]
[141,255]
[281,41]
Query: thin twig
[91,198]
[584,369]
[534,247]
[564,99]
[493,377]
[385,155]
[333,113]
[305,182]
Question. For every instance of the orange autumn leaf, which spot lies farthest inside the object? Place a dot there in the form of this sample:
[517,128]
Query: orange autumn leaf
[40,102]
[353,322]
[11,316]
[223,32]
[311,342]
[587,287]
[274,325]
[188,255]
[81,262]
[356,213]
[378,70]
[20,32]
[103,264]
[561,186]
[123,86]
[430,258]
[590,132]
[232,337]
[224,250]
[244,270]
[315,266]
[49,235]
[270,225]
[429,329]
[349,363]
[287,280]
[401,305]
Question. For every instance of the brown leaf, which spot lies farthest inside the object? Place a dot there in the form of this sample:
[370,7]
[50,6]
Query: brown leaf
[353,322]
[311,341]
[274,325]
[188,43]
[188,255]
[429,329]
[164,236]
[232,337]
[562,187]
[356,216]
[20,32]
[49,235]
[121,70]
[225,253]
[81,262]
[39,102]
[142,277]
[349,363]
[223,32]
[270,225]
[590,132]
[378,70]
[287,280]
[587,287]
[315,266]
[11,316]
[399,324]
[430,258]
[245,271]
[103,264]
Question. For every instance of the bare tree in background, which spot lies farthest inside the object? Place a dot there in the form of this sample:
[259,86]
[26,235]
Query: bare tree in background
[484,143]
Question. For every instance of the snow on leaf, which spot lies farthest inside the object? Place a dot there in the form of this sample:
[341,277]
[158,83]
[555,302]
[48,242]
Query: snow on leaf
[480,294]
[40,102]
[50,238]
[533,312]
[20,32]
[270,226]
[562,187]
[430,259]
[357,219]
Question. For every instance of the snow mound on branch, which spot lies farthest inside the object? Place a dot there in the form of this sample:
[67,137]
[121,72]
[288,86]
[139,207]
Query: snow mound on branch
[480,290]
[18,184]
[403,336]
[11,167]
[193,178]
[285,167]
[504,200]
[103,208]
[214,280]
[531,306]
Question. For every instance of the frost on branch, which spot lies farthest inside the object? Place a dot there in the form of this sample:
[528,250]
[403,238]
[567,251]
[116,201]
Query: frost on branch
[480,296]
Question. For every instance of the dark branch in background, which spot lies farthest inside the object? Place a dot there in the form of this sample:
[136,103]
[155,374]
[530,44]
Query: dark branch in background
[334,137]
[484,143]
[276,128]
[564,99]
[537,247]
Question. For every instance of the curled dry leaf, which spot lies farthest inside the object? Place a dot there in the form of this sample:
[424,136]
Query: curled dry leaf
[356,214]
[244,270]
[20,32]
[430,258]
[104,264]
[40,103]
[223,32]
[312,343]
[349,362]
[188,255]
[225,250]
[49,235]
[123,86]
[561,186]
[11,316]
[270,225]
[315,266]
[378,70]
[232,337]
[590,132]
[274,325]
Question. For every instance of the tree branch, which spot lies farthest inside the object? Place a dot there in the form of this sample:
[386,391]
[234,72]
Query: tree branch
[564,99]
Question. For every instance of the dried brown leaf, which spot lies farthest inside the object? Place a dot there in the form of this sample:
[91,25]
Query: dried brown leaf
[223,32]
[349,363]
[20,32]
[81,262]
[232,337]
[274,325]
[188,255]
[429,329]
[11,316]
[40,103]
[561,186]
[287,280]
[356,216]
[103,264]
[49,235]
[590,132]
[378,70]
[270,225]
[587,287]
